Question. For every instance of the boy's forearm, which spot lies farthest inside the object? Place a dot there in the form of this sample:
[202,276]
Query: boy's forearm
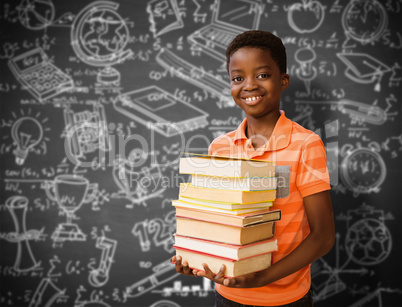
[319,242]
[312,248]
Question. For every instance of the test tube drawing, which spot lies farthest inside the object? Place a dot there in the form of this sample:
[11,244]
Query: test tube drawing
[164,272]
[25,260]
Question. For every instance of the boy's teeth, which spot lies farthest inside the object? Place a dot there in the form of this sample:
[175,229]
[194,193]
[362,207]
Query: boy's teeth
[252,98]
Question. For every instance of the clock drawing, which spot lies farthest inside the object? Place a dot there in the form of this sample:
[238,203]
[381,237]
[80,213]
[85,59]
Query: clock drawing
[363,170]
[364,20]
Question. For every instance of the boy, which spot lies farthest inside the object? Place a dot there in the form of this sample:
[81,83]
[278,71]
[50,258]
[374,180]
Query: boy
[256,63]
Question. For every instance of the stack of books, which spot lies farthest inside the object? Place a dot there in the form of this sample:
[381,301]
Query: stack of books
[223,216]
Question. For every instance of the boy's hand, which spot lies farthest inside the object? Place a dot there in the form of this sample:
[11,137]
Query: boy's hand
[207,273]
[245,281]
[183,268]
[251,280]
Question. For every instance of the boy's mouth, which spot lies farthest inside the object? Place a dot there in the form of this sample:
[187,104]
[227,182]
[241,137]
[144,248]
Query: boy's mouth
[252,100]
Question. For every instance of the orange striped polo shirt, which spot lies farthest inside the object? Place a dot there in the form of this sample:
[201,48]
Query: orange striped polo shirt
[300,151]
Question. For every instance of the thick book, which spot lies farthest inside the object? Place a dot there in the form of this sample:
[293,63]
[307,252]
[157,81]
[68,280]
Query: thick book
[226,166]
[233,251]
[221,195]
[226,233]
[224,205]
[234,183]
[233,267]
[229,219]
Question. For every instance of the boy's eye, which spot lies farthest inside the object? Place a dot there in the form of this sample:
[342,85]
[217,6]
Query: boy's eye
[263,76]
[237,79]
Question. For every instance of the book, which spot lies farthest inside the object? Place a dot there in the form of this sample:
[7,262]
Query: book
[164,112]
[221,195]
[232,251]
[234,183]
[233,267]
[234,219]
[182,204]
[226,166]
[224,205]
[224,232]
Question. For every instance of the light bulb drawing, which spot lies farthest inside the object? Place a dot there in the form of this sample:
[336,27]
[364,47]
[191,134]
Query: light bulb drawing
[27,132]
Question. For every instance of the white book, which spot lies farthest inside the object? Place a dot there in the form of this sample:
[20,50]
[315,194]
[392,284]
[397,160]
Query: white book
[226,166]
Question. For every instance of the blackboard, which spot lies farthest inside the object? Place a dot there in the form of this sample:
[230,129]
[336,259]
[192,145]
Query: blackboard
[88,85]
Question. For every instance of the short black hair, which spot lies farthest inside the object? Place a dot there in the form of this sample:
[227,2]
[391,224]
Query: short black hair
[262,40]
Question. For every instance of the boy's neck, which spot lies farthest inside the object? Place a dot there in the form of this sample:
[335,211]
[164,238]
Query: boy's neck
[260,129]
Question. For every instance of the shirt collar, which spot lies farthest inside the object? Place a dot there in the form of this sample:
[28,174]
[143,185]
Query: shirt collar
[279,139]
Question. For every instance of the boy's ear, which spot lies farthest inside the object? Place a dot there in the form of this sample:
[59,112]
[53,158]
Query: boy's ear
[285,81]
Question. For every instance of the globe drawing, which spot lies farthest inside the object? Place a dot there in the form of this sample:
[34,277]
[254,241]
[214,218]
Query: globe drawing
[36,14]
[99,37]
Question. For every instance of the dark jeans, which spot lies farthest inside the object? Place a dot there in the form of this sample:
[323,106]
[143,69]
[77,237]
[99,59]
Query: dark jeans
[305,301]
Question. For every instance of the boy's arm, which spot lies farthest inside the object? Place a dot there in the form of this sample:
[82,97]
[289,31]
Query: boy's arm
[319,242]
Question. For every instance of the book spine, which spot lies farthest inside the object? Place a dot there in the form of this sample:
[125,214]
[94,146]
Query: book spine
[233,246]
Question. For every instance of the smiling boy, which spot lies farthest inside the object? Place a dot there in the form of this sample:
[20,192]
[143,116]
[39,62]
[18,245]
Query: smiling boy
[256,63]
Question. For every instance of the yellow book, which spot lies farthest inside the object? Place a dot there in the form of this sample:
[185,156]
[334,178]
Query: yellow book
[223,208]
[229,217]
[182,204]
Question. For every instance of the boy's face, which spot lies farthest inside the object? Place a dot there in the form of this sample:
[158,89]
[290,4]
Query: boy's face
[256,82]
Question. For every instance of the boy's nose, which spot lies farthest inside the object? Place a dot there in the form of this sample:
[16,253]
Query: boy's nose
[250,84]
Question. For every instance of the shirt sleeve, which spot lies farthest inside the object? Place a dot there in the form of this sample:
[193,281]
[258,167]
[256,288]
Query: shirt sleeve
[312,173]
[210,149]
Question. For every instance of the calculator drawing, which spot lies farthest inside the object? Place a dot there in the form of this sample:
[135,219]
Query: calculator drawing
[40,77]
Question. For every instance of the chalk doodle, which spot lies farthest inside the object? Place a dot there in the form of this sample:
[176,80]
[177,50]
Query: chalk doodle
[99,99]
